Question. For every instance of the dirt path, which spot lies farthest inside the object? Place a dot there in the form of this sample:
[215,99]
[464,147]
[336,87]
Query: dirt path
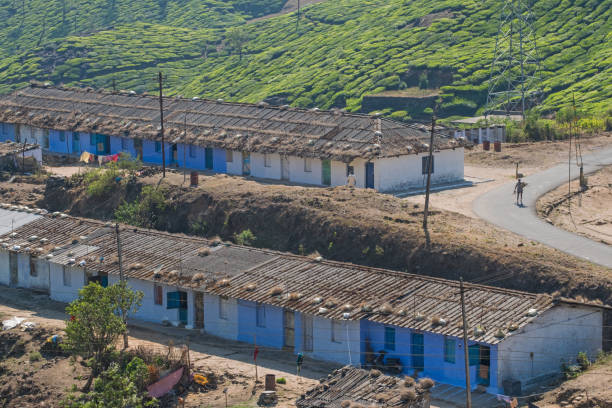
[230,360]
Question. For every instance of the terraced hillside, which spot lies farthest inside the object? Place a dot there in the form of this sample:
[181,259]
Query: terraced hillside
[342,50]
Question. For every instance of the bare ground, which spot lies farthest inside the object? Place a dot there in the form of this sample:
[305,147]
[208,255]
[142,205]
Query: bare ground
[46,382]
[591,389]
[588,213]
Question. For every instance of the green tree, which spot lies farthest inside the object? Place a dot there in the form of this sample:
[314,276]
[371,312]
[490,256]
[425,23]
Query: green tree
[93,327]
[146,210]
[126,301]
[113,389]
[237,37]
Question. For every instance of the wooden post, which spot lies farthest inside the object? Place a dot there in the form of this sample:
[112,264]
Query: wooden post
[122,280]
[466,354]
[429,168]
[255,358]
[161,120]
[185,149]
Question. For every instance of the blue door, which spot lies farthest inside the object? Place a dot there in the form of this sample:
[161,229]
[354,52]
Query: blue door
[76,142]
[178,300]
[208,158]
[369,181]
[417,350]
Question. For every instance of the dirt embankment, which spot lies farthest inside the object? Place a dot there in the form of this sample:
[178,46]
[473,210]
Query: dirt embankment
[344,224]
[586,212]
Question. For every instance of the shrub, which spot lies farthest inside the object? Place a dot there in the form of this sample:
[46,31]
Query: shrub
[146,210]
[129,163]
[281,380]
[102,181]
[583,360]
[138,372]
[246,237]
[35,356]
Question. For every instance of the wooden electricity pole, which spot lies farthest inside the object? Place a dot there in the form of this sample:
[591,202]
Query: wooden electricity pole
[429,169]
[122,280]
[466,354]
[161,119]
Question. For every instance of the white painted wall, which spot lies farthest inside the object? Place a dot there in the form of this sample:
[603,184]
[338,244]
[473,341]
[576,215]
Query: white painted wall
[337,351]
[404,172]
[235,166]
[259,170]
[58,291]
[25,277]
[227,329]
[298,175]
[149,311]
[555,336]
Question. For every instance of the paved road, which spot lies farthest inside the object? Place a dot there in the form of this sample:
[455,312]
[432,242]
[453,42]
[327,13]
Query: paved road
[498,207]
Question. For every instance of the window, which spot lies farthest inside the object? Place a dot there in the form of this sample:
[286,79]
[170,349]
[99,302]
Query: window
[349,170]
[449,349]
[158,294]
[229,156]
[62,136]
[157,147]
[192,151]
[390,338]
[260,315]
[92,139]
[222,308]
[66,276]
[125,145]
[307,165]
[425,163]
[474,354]
[75,136]
[267,160]
[336,331]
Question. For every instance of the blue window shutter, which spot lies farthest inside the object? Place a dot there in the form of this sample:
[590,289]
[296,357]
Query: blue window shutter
[474,354]
[390,338]
[173,300]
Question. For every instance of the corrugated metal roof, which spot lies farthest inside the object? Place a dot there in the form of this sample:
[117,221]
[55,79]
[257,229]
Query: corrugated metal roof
[234,126]
[14,219]
[313,286]
[363,387]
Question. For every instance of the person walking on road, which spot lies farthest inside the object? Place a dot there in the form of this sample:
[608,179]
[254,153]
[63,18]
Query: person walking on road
[518,190]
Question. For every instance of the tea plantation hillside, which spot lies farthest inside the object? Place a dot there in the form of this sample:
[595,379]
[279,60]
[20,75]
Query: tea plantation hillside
[29,23]
[343,50]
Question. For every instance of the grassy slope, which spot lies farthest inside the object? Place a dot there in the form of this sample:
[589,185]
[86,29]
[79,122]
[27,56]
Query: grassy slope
[344,49]
[35,22]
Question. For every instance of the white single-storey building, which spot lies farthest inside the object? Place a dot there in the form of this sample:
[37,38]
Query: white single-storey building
[302,146]
[331,311]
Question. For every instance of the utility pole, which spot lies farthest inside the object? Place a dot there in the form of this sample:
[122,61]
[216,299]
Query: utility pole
[466,354]
[429,169]
[122,281]
[185,149]
[161,119]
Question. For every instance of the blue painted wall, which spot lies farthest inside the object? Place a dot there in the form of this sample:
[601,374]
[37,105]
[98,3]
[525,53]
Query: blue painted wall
[269,336]
[435,366]
[7,132]
[219,164]
[56,144]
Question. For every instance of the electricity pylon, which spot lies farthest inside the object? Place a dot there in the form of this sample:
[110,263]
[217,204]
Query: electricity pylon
[515,82]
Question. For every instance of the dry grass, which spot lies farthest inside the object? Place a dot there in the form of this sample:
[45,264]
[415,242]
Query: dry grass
[275,291]
[426,383]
